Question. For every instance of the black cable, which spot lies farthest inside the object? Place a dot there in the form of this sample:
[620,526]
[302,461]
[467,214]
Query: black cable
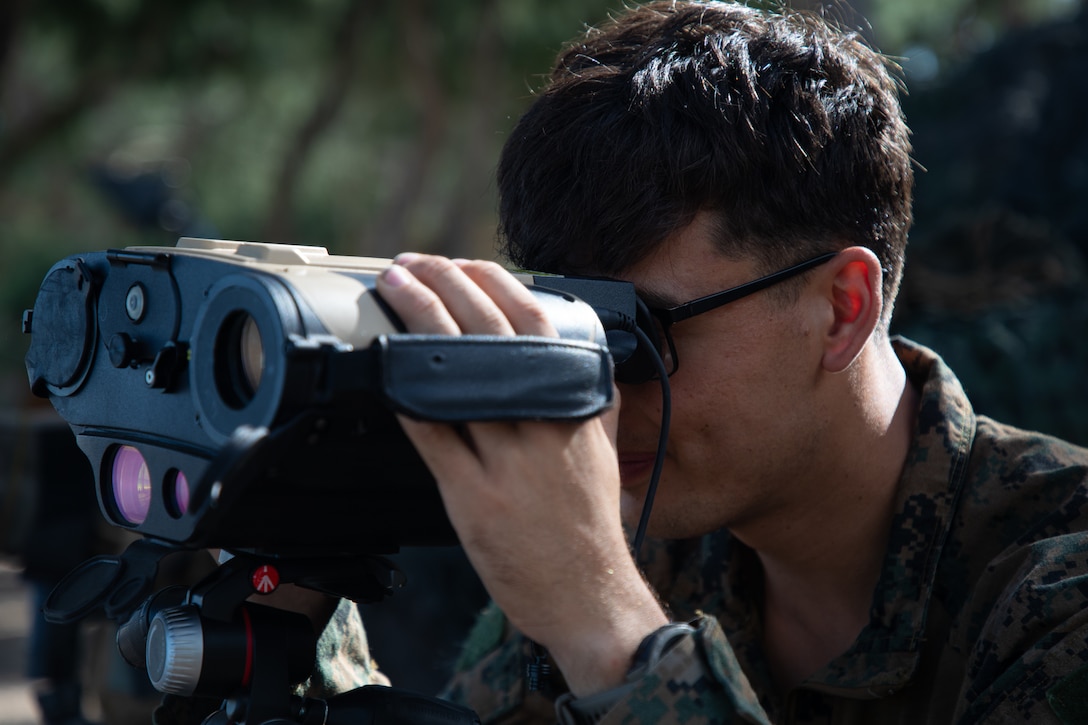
[662,441]
[538,669]
[612,320]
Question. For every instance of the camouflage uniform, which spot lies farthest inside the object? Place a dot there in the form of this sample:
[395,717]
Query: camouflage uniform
[980,613]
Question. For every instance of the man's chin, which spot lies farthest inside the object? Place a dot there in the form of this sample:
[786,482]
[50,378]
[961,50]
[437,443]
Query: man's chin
[661,525]
[631,513]
[631,506]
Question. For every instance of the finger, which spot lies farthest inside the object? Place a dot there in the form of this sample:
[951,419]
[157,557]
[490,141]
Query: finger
[441,447]
[512,297]
[471,307]
[419,308]
[453,460]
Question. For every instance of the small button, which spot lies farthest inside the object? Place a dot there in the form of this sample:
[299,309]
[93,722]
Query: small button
[135,302]
[122,350]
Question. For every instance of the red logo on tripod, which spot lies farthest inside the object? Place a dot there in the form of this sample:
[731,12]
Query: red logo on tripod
[265,579]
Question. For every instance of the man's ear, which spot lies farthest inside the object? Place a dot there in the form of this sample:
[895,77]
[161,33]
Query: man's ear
[857,302]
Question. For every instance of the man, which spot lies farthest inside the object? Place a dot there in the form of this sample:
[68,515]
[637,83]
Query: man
[842,538]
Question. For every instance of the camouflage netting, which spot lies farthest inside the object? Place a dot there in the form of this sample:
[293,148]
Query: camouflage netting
[996,270]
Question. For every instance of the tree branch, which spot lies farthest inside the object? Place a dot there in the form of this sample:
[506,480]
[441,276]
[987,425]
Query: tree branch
[25,138]
[279,222]
[386,236]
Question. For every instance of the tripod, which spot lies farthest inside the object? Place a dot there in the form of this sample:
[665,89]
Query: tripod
[211,640]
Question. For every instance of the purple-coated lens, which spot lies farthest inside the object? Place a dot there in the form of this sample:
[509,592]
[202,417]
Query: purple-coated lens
[131,485]
[180,494]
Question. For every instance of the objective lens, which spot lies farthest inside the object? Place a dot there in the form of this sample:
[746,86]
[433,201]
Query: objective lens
[252,353]
[177,493]
[131,484]
[239,359]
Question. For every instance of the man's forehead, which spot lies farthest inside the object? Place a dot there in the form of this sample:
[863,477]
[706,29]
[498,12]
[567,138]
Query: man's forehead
[687,265]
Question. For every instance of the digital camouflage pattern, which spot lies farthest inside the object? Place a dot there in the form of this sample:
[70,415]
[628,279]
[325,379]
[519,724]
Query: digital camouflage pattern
[343,660]
[980,614]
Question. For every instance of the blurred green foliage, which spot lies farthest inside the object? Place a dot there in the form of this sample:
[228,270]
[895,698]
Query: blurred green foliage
[366,127]
[997,270]
[954,31]
[371,127]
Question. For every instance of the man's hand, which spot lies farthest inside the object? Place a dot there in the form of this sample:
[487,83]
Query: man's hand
[535,504]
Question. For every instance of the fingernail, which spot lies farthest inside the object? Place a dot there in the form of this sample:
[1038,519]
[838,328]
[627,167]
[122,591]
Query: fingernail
[405,258]
[395,276]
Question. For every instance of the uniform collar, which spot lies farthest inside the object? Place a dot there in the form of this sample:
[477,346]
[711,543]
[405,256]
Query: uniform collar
[886,654]
[718,575]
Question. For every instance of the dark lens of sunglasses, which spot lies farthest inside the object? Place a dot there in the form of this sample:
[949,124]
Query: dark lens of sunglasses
[664,346]
[636,369]
[640,365]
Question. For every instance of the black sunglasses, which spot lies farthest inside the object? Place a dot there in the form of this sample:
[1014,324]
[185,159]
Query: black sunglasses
[657,322]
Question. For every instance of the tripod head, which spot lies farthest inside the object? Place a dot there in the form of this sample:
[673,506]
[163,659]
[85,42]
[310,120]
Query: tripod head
[214,639]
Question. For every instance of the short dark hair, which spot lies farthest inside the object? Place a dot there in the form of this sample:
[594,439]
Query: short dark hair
[787,129]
